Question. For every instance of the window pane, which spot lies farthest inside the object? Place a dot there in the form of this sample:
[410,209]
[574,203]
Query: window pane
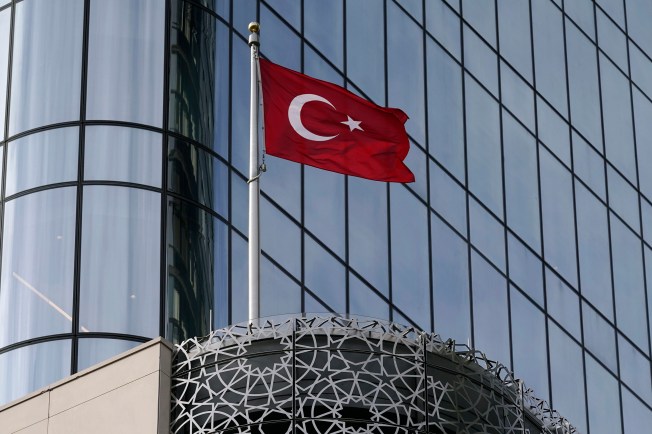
[589,165]
[487,234]
[280,238]
[37,265]
[122,154]
[196,175]
[450,275]
[42,158]
[364,302]
[94,351]
[599,337]
[324,207]
[480,60]
[444,24]
[525,269]
[191,272]
[5,19]
[278,293]
[324,27]
[482,16]
[514,26]
[558,219]
[623,199]
[612,40]
[602,394]
[125,61]
[46,74]
[448,198]
[27,369]
[325,276]
[635,369]
[192,72]
[553,131]
[642,115]
[593,244]
[483,139]
[563,304]
[120,277]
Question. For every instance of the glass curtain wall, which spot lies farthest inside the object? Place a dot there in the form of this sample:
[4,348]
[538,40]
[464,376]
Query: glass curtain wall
[527,234]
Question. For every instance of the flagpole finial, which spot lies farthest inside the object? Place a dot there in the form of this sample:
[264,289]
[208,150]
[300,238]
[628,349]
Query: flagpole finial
[254,27]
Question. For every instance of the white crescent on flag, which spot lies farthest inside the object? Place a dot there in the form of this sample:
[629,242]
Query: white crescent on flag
[294,115]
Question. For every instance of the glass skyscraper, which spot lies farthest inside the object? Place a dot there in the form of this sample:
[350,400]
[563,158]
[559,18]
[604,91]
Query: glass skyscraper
[527,234]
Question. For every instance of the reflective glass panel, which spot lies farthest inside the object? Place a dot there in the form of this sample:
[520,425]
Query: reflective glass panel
[553,131]
[612,40]
[324,26]
[581,11]
[444,25]
[599,337]
[634,369]
[120,261]
[593,244]
[450,275]
[589,166]
[517,96]
[563,304]
[26,369]
[37,265]
[192,72]
[603,399]
[122,154]
[5,20]
[279,294]
[125,61]
[480,60]
[325,276]
[487,234]
[324,207]
[525,269]
[93,351]
[623,199]
[514,27]
[42,158]
[191,272]
[637,417]
[642,115]
[365,302]
[197,175]
[448,198]
[280,238]
[483,143]
[482,16]
[46,65]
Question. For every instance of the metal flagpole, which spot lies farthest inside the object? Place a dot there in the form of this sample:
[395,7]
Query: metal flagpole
[254,187]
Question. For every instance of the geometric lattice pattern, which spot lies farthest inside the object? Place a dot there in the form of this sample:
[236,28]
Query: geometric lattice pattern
[318,374]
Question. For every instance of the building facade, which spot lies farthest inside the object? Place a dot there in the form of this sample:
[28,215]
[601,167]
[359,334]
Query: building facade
[527,234]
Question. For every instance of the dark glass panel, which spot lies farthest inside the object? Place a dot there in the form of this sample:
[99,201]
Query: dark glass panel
[629,283]
[593,245]
[558,220]
[325,276]
[514,28]
[410,256]
[490,310]
[93,351]
[37,265]
[521,183]
[567,377]
[529,344]
[324,207]
[603,399]
[27,369]
[450,275]
[191,270]
[445,110]
[120,261]
[549,59]
[193,64]
[368,238]
[46,65]
[42,158]
[323,27]
[122,154]
[583,84]
[197,175]
[125,61]
[483,142]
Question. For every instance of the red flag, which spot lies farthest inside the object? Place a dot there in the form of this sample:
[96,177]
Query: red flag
[314,122]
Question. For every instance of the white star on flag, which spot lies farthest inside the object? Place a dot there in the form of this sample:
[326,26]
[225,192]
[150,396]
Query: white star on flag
[353,125]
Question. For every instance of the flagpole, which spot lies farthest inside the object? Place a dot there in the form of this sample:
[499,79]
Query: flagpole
[254,187]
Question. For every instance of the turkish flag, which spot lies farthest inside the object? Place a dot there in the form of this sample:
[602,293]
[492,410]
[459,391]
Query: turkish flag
[314,122]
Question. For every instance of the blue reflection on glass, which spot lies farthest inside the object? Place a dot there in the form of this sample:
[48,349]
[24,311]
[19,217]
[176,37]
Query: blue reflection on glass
[642,116]
[514,27]
[480,60]
[5,20]
[581,11]
[487,234]
[93,351]
[623,199]
[636,416]
[589,165]
[325,276]
[363,301]
[280,238]
[563,304]
[635,369]
[278,293]
[482,16]
[483,142]
[450,275]
[599,337]
[26,369]
[46,65]
[525,269]
[593,244]
[444,25]
[445,110]
[324,207]
[603,399]
[324,26]
[125,61]
[612,40]
[448,198]
[553,131]
[490,314]
[517,96]
[43,158]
